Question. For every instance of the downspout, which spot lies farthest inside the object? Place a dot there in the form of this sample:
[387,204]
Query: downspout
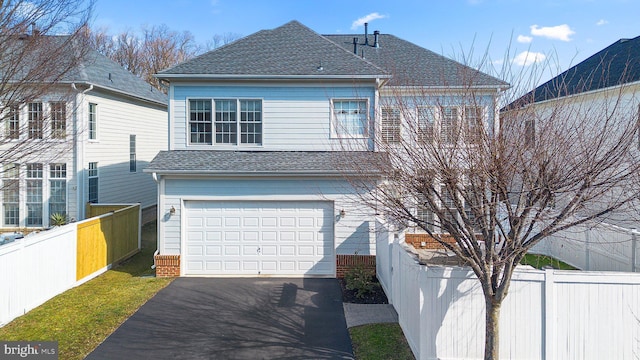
[78,154]
[157,252]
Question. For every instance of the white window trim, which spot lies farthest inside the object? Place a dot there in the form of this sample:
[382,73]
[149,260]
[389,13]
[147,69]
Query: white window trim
[213,123]
[97,121]
[338,135]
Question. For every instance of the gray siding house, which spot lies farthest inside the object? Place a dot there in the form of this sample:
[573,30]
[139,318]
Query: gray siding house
[262,132]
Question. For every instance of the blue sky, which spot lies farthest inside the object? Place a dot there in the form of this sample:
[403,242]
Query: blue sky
[565,31]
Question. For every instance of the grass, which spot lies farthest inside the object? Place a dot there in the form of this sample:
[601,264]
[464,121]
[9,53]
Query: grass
[379,341]
[540,261]
[82,317]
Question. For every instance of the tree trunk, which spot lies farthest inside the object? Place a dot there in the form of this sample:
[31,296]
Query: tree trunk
[492,330]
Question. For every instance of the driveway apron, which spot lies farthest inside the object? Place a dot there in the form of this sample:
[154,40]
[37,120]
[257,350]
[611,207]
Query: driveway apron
[235,318]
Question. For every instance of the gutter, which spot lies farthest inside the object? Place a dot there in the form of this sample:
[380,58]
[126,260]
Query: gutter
[265,77]
[227,173]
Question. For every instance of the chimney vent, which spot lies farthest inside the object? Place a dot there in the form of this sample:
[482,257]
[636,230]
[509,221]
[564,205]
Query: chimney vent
[355,45]
[376,44]
[366,34]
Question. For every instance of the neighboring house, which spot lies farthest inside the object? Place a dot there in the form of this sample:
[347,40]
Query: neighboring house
[86,139]
[263,135]
[607,84]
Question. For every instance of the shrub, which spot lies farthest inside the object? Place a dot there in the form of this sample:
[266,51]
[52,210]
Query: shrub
[360,279]
[58,219]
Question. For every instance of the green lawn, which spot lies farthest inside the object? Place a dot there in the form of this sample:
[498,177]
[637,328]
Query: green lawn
[379,341]
[81,318]
[540,261]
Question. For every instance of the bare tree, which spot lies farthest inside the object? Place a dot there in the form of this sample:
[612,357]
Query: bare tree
[163,48]
[488,187]
[219,40]
[155,48]
[42,45]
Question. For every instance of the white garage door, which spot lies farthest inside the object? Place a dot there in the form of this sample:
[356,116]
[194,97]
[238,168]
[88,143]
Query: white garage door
[259,238]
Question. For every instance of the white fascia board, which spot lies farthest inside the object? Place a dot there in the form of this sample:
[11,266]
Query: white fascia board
[266,77]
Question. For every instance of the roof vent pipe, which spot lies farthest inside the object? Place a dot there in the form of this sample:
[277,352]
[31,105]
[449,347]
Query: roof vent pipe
[366,34]
[355,45]
[375,39]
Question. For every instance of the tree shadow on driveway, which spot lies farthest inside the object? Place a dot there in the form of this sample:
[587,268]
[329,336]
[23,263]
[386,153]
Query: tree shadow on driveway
[235,318]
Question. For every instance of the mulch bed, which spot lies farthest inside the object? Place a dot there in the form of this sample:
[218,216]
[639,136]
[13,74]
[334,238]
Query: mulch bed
[377,296]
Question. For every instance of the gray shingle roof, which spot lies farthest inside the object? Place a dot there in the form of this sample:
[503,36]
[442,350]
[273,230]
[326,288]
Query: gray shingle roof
[412,65]
[97,69]
[93,69]
[289,50]
[617,64]
[262,162]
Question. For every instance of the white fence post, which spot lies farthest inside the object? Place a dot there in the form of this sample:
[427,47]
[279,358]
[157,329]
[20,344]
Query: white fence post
[634,249]
[549,313]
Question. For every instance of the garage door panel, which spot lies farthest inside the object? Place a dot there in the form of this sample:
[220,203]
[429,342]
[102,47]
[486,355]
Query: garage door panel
[214,236]
[213,250]
[232,236]
[293,238]
[250,236]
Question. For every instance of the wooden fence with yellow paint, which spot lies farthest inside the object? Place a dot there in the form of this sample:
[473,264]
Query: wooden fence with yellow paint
[111,235]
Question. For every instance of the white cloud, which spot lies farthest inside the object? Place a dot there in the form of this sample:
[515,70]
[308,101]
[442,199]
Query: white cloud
[602,22]
[366,19]
[527,58]
[560,32]
[524,39]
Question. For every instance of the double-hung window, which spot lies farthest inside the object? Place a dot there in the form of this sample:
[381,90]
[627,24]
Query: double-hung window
[350,118]
[390,125]
[424,214]
[426,124]
[58,112]
[93,182]
[58,189]
[12,127]
[93,121]
[474,125]
[225,122]
[449,124]
[35,119]
[132,153]
[34,195]
[11,194]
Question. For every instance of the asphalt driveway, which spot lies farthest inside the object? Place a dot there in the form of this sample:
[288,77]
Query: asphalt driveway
[235,318]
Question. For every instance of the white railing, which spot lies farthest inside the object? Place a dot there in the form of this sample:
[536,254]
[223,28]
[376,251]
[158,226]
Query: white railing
[36,268]
[548,314]
[601,248]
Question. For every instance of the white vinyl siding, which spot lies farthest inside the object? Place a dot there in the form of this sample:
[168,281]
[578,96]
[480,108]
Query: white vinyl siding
[294,118]
[113,153]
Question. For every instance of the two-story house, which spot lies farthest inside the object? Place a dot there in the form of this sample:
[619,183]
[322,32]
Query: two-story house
[263,137]
[602,92]
[85,139]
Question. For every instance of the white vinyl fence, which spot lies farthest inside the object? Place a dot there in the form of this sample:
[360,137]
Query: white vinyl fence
[40,266]
[601,248]
[548,314]
[36,268]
